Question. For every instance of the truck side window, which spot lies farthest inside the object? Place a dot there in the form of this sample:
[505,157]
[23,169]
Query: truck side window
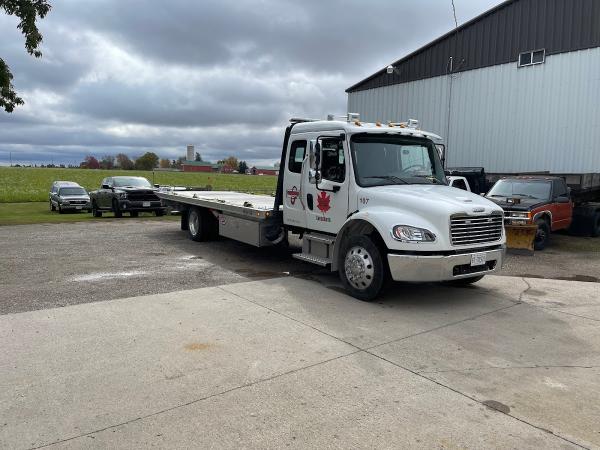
[560,189]
[333,160]
[297,152]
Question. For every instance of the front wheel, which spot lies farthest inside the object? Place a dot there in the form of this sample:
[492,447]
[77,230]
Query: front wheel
[159,212]
[362,268]
[542,236]
[95,211]
[116,209]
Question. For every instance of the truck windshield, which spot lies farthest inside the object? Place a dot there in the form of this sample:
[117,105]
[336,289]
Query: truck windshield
[392,159]
[538,190]
[131,181]
[72,191]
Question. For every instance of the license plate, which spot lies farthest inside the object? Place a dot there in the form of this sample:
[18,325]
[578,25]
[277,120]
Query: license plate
[478,259]
[145,204]
[78,207]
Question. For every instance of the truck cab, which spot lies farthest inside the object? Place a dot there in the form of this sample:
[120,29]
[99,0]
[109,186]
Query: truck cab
[372,201]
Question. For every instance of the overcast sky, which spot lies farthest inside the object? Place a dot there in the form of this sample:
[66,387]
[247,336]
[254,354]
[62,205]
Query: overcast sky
[133,76]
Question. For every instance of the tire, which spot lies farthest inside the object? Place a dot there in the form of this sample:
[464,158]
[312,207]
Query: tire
[95,211]
[542,235]
[362,268]
[52,208]
[133,214]
[116,209]
[464,281]
[60,210]
[201,225]
[595,228]
[159,213]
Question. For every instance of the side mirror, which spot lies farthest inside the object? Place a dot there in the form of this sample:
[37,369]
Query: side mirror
[441,148]
[311,155]
[105,186]
[562,199]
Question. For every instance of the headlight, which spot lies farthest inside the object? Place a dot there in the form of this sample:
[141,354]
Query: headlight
[405,233]
[123,195]
[519,215]
[64,202]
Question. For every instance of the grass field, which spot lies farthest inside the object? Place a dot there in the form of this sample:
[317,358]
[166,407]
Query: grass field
[38,212]
[19,184]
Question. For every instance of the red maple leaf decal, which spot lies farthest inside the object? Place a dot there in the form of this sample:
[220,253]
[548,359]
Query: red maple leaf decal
[323,202]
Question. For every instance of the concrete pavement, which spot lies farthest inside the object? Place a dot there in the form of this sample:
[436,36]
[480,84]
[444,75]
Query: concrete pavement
[507,363]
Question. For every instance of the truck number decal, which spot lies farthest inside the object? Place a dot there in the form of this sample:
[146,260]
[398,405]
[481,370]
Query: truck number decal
[364,200]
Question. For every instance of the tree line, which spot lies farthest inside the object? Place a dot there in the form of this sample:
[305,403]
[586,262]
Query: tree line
[150,161]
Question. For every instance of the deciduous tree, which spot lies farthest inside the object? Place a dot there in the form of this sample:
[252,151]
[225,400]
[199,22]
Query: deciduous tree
[90,162]
[124,162]
[164,163]
[27,11]
[147,161]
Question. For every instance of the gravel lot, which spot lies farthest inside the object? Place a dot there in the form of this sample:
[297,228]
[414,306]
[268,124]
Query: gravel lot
[45,266]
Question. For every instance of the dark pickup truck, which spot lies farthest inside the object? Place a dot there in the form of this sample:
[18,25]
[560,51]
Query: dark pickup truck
[126,194]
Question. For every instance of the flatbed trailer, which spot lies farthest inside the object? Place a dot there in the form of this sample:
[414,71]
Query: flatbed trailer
[236,215]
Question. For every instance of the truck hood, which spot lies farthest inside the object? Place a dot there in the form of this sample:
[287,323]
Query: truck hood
[425,206]
[75,197]
[426,199]
[135,189]
[524,204]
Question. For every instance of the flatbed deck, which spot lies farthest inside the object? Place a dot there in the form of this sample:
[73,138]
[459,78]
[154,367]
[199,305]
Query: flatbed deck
[250,206]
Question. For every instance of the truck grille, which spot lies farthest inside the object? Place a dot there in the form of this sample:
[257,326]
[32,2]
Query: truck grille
[142,196]
[78,202]
[467,230]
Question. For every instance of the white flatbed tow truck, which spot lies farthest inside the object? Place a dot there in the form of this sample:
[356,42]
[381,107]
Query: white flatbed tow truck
[370,201]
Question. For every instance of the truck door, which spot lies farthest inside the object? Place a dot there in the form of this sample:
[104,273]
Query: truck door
[326,194]
[293,203]
[562,211]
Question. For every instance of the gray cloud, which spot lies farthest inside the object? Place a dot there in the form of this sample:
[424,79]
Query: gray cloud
[225,75]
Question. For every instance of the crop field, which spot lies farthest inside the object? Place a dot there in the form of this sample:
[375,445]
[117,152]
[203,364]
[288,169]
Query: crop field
[18,184]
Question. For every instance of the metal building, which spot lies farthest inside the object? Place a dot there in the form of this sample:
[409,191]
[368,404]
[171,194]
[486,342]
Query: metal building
[516,89]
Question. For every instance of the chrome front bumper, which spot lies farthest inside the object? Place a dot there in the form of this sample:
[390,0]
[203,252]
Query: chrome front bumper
[421,268]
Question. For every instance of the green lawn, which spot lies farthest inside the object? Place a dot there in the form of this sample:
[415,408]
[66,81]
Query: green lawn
[19,184]
[38,212]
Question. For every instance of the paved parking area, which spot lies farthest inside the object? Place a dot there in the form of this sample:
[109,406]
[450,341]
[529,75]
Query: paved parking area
[124,334]
[511,363]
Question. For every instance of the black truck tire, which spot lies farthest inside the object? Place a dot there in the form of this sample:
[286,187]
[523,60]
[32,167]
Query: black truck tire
[159,212]
[543,234]
[95,211]
[595,226]
[362,268]
[201,225]
[116,209]
[60,210]
[134,214]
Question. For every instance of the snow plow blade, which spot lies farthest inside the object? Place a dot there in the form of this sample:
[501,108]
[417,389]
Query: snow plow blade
[520,238]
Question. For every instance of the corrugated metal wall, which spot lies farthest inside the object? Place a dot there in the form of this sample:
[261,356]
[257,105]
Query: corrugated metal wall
[497,37]
[506,119]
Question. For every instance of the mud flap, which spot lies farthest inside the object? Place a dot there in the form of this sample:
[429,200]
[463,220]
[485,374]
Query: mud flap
[520,238]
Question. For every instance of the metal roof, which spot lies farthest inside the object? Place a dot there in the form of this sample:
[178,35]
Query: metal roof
[497,37]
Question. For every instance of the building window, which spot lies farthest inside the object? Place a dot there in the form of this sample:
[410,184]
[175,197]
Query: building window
[531,58]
